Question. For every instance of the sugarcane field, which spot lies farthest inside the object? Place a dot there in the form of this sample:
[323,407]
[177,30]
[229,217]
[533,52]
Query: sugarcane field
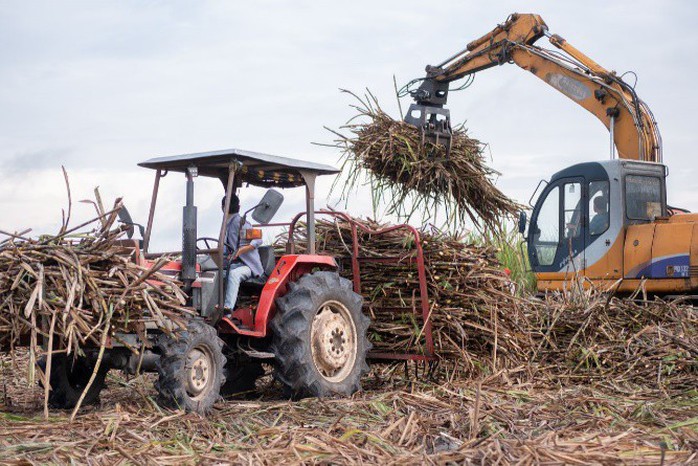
[267,233]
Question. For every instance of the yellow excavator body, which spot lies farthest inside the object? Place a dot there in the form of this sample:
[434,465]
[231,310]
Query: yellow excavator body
[607,221]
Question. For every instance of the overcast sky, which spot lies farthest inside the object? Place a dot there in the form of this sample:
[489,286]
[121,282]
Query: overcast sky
[100,86]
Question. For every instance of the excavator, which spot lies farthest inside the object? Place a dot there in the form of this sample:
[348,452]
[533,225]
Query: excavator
[606,221]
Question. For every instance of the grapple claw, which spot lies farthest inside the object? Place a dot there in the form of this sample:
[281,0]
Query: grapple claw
[428,114]
[433,122]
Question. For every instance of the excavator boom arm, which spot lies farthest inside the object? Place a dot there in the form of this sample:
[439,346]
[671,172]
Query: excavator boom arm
[633,128]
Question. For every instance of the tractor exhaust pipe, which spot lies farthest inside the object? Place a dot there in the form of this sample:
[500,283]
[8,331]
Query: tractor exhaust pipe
[189,233]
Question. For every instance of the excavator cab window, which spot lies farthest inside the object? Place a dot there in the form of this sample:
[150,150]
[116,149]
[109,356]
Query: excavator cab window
[558,223]
[573,216]
[546,229]
[643,197]
[573,210]
[598,207]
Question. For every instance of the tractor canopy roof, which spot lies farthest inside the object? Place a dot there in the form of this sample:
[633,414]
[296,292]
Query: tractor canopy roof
[256,168]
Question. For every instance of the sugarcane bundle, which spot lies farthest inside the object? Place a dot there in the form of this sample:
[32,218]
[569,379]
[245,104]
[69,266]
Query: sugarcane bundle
[411,174]
[476,320]
[74,290]
[479,323]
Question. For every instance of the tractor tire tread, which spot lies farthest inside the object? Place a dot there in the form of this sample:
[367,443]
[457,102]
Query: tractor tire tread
[171,366]
[294,367]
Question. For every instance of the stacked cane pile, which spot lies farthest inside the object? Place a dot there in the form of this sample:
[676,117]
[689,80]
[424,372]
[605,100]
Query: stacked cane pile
[76,290]
[584,335]
[477,321]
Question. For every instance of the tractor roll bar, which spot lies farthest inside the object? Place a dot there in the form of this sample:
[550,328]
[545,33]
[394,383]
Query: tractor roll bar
[220,250]
[151,214]
[309,178]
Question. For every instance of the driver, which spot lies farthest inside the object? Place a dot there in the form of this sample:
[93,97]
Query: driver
[599,223]
[241,254]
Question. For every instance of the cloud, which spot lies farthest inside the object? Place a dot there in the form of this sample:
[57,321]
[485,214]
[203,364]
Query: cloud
[100,87]
[24,163]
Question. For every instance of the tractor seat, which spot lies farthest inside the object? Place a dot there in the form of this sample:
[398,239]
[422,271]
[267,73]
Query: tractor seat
[266,255]
[206,263]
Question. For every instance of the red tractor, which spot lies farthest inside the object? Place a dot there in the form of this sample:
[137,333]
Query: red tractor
[301,316]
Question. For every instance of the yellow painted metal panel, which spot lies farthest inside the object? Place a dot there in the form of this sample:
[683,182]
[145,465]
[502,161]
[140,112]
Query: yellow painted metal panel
[671,239]
[637,253]
[610,266]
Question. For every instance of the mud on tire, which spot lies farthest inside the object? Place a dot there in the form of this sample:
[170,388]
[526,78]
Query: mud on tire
[69,377]
[190,368]
[319,337]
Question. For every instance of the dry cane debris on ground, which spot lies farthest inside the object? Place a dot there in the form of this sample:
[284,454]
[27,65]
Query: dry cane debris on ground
[481,421]
[411,174]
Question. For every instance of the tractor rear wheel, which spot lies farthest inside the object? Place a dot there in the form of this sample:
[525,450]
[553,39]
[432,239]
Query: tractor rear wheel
[191,368]
[319,337]
[69,377]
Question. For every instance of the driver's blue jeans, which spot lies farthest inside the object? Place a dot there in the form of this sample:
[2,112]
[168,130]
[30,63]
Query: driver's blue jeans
[237,273]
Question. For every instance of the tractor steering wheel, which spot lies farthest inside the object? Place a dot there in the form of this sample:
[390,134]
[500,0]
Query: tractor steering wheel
[206,240]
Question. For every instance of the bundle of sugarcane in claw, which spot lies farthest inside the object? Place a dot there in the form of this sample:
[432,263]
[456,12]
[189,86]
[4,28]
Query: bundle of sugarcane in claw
[410,174]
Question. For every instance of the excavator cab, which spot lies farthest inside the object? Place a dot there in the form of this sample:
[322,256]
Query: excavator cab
[609,222]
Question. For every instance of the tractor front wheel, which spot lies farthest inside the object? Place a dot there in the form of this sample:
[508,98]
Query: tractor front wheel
[319,337]
[191,368]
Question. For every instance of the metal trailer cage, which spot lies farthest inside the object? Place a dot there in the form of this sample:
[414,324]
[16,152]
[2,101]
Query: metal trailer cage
[423,311]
